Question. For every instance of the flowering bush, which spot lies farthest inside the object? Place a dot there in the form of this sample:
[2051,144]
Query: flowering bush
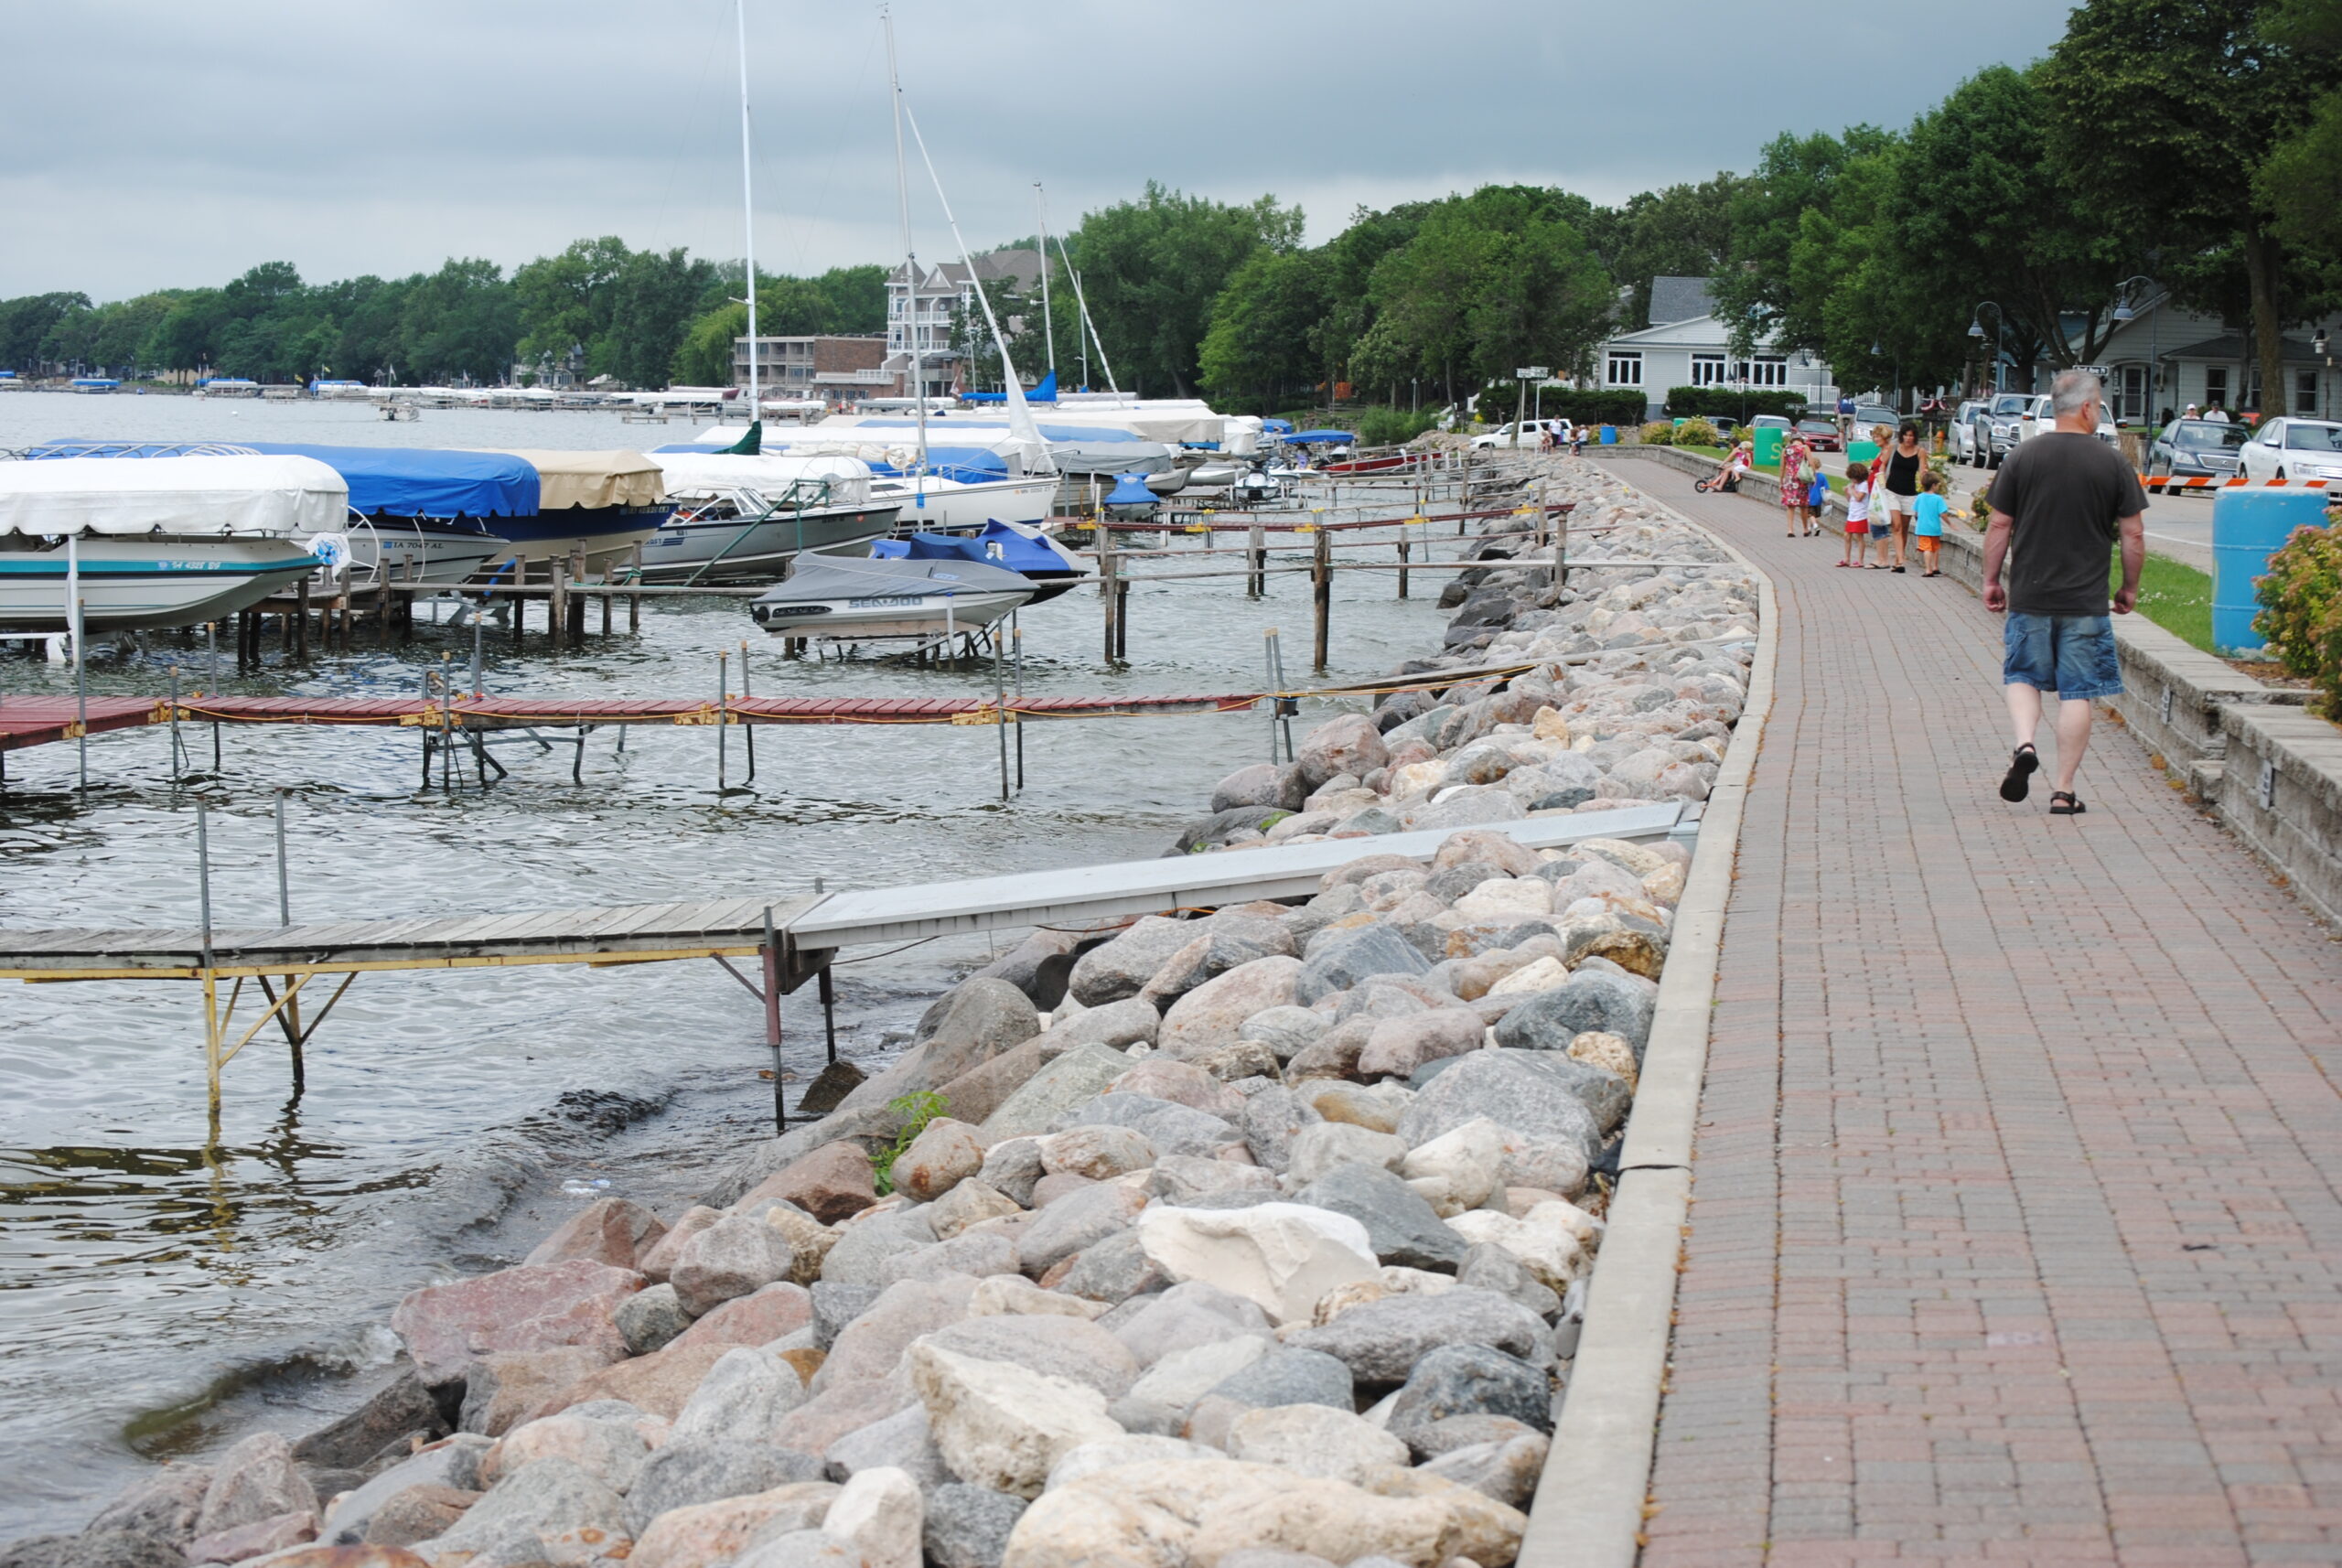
[1698,432]
[2301,613]
[1659,432]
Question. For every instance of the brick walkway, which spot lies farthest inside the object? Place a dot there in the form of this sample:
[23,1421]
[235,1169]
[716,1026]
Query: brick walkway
[2016,1234]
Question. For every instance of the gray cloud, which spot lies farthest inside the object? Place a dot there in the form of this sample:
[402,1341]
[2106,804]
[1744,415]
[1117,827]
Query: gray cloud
[177,143]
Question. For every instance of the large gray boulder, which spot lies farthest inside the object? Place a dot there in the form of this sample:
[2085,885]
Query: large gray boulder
[1172,1128]
[708,1469]
[1117,1024]
[1400,1225]
[1380,1341]
[1073,1078]
[1590,1000]
[1513,1088]
[968,1526]
[1340,959]
[1119,969]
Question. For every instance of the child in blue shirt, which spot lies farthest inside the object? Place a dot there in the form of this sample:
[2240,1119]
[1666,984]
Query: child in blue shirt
[1927,528]
[1814,496]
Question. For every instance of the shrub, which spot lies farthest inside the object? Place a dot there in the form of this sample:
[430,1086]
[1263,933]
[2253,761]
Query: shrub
[1659,432]
[917,1109]
[1380,426]
[2302,610]
[1625,409]
[1729,403]
[1698,432]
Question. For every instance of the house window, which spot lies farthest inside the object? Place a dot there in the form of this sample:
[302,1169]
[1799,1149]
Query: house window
[2252,393]
[2305,392]
[1708,369]
[1769,371]
[2216,385]
[1626,369]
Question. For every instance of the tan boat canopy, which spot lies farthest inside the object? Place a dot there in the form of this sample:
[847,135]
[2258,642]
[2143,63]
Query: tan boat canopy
[614,478]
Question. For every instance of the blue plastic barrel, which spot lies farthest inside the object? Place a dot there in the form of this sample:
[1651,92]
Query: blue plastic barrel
[2247,526]
[1609,435]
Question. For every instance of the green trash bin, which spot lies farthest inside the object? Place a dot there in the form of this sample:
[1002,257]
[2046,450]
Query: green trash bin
[1765,440]
[1861,451]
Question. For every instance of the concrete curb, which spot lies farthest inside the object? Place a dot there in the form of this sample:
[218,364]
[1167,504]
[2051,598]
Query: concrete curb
[1588,1511]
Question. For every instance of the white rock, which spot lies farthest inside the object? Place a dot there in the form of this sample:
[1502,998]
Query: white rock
[880,1515]
[1136,1449]
[1546,1250]
[1542,975]
[1002,1426]
[1183,1376]
[1000,1295]
[1314,1440]
[744,1394]
[1280,1256]
[1467,1163]
[1502,898]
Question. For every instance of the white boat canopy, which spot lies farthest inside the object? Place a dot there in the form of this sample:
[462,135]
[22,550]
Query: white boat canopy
[255,494]
[769,475]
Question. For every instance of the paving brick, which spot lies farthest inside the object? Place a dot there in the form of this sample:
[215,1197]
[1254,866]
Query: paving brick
[2016,1224]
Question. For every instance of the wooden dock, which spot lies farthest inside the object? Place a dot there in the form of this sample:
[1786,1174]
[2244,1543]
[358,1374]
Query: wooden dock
[794,937]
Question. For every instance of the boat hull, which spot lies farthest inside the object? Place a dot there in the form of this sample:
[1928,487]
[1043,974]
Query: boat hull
[881,616]
[720,551]
[945,506]
[136,581]
[606,536]
[423,550]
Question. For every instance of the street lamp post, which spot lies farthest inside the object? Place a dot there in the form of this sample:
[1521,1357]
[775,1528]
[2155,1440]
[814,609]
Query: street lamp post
[2000,335]
[2318,346]
[2125,311]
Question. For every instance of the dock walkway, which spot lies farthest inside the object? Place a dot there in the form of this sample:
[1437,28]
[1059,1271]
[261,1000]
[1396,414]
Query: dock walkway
[2017,1232]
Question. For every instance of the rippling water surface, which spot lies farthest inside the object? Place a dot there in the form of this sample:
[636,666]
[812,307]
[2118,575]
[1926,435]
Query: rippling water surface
[155,1300]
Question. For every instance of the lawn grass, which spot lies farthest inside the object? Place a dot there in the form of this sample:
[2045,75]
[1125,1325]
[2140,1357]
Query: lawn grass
[2175,598]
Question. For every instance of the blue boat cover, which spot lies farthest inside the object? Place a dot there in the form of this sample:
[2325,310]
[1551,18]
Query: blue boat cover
[997,545]
[1045,391]
[425,481]
[1130,489]
[1048,432]
[1277,427]
[1319,437]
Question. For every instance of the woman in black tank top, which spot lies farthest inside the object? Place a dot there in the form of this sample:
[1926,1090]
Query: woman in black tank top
[1902,486]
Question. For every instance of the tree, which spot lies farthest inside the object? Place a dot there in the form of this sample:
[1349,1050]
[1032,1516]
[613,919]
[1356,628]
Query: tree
[1794,176]
[1684,231]
[1268,333]
[26,321]
[2163,109]
[1153,267]
[2301,181]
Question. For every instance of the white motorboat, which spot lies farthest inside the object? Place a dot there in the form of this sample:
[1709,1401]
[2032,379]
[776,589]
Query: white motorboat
[939,505]
[833,599]
[745,517]
[168,541]
[421,549]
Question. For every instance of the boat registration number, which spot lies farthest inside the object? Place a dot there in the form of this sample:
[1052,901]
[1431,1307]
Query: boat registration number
[885,603]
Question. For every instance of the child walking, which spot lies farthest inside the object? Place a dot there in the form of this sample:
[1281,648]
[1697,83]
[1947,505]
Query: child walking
[1814,496]
[1927,526]
[1857,549]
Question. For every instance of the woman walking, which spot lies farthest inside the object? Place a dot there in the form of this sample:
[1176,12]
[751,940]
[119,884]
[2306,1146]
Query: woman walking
[1902,486]
[1797,477]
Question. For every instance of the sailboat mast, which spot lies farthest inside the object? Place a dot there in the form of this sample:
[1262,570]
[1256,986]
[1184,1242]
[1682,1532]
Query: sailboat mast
[1049,322]
[910,256]
[1103,363]
[749,211]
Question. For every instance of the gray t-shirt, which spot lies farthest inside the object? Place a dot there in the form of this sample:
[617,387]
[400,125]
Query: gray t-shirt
[2064,493]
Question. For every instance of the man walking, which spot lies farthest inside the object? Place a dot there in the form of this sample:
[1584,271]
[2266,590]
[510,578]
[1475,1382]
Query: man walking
[2059,501]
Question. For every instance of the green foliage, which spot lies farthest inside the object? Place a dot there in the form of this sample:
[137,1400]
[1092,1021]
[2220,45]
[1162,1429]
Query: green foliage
[2175,598]
[1698,432]
[1152,269]
[1268,334]
[1620,408]
[1725,403]
[2301,615]
[1684,231]
[613,311]
[843,301]
[917,1109]
[1378,426]
[1661,433]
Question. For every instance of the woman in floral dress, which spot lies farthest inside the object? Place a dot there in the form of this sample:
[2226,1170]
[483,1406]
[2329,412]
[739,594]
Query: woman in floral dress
[1797,477]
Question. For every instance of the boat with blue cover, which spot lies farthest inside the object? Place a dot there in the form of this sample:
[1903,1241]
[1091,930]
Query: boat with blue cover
[1023,550]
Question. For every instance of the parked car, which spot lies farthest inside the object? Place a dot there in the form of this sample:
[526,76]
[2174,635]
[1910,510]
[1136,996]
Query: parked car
[2293,449]
[2038,420]
[1769,422]
[1996,426]
[2196,449]
[1961,432]
[1821,435]
[1531,435]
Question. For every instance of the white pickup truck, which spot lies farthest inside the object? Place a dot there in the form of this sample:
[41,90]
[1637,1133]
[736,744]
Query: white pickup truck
[1531,434]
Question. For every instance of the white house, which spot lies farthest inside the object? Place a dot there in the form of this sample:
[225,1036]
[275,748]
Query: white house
[2165,357]
[919,317]
[1687,346]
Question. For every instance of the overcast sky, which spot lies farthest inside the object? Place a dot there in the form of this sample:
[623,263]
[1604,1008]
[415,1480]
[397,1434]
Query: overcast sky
[154,142]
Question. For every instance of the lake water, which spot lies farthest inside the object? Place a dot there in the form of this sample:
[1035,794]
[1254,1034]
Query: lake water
[153,1301]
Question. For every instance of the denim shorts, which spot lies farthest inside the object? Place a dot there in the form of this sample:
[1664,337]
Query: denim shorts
[2070,655]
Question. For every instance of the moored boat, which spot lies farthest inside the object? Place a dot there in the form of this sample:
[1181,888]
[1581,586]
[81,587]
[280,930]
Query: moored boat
[833,599]
[171,542]
[740,517]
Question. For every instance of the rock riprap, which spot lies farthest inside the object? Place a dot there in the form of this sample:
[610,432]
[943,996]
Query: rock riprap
[1253,1235]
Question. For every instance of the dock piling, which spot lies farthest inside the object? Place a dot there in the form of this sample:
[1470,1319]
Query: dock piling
[723,722]
[1321,580]
[829,990]
[771,957]
[1256,562]
[1000,715]
[748,733]
[634,601]
[1016,638]
[301,621]
[176,749]
[1269,661]
[212,1022]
